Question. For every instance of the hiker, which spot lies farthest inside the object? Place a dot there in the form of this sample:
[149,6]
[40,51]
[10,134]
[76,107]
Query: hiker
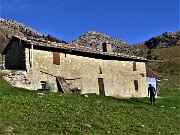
[152,92]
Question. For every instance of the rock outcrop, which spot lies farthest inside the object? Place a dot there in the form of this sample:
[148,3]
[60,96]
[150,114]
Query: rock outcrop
[96,39]
[167,39]
[8,28]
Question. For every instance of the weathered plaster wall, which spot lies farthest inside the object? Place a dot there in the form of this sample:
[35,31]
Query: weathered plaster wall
[42,68]
[83,73]
[15,57]
[118,76]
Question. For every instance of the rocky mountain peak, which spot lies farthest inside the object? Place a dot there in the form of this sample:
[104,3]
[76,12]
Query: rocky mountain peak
[95,40]
[167,39]
[10,27]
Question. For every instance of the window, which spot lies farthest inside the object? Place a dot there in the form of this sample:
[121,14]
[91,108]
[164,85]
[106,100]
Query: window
[56,58]
[134,66]
[101,86]
[136,85]
[100,70]
[104,46]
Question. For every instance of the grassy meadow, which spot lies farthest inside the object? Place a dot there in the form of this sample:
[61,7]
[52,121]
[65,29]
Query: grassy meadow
[165,62]
[27,112]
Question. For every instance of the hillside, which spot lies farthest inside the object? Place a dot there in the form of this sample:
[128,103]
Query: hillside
[8,28]
[95,40]
[163,51]
[167,39]
[33,113]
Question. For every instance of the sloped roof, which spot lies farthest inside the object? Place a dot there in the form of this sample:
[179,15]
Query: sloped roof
[150,73]
[44,43]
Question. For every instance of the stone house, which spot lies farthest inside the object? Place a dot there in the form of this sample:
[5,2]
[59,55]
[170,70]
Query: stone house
[69,68]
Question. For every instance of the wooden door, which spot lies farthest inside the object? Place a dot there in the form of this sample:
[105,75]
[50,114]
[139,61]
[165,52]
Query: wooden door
[101,86]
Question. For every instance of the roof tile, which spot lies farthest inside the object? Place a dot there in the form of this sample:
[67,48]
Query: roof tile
[74,47]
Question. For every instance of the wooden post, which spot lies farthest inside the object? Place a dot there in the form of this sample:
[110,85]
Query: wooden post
[32,72]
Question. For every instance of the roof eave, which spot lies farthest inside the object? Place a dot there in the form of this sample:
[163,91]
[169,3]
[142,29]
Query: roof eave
[68,50]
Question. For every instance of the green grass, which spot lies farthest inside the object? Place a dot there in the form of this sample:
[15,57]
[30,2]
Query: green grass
[167,66]
[28,113]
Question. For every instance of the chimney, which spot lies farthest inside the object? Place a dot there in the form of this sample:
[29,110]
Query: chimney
[107,47]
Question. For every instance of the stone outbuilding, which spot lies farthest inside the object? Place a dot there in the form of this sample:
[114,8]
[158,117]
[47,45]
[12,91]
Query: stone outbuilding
[75,69]
[152,78]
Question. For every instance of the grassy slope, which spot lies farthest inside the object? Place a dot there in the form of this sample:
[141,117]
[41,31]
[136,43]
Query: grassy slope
[167,66]
[27,112]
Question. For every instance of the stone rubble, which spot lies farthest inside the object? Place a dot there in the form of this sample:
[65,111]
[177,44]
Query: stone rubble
[18,79]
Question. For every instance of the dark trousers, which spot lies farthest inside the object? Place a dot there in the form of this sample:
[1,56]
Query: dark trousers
[152,99]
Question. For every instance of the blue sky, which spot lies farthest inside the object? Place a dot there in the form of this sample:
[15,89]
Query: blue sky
[133,21]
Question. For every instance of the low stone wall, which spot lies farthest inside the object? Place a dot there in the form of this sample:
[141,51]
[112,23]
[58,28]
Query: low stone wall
[5,71]
[18,79]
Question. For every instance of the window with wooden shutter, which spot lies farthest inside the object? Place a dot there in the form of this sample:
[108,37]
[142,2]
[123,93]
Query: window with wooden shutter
[134,66]
[136,85]
[56,58]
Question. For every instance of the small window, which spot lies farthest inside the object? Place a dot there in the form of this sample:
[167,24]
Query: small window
[134,66]
[104,46]
[101,86]
[56,58]
[100,70]
[136,85]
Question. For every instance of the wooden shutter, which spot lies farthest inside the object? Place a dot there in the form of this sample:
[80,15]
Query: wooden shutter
[136,85]
[134,66]
[56,58]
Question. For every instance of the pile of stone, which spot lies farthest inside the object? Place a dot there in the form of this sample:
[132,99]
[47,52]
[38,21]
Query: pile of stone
[18,79]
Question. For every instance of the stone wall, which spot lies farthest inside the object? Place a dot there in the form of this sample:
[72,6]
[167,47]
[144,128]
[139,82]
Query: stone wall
[83,73]
[118,76]
[17,78]
[15,57]
[42,68]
